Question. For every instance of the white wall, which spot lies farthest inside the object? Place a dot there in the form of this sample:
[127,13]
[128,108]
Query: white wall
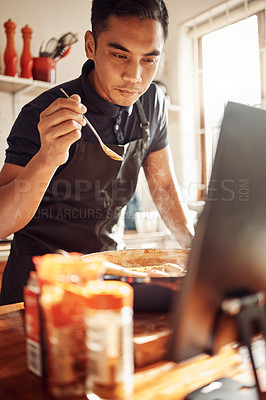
[48,18]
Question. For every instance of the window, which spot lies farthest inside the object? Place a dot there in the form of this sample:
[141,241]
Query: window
[227,58]
[230,72]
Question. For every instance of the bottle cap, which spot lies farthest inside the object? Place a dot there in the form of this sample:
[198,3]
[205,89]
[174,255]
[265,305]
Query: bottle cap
[109,295]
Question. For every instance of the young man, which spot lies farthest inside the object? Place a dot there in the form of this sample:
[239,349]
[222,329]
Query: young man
[59,190]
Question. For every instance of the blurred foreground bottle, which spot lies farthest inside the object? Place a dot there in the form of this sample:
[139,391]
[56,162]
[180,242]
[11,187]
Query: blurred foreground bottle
[10,54]
[63,280]
[109,325]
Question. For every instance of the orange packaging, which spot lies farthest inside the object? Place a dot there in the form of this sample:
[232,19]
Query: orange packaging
[35,356]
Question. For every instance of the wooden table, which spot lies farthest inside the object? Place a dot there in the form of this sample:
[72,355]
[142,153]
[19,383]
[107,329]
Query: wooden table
[164,380]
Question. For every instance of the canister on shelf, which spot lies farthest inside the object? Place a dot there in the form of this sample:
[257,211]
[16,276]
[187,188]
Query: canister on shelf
[109,327]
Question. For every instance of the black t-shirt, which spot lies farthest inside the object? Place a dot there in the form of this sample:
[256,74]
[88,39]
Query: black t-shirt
[115,124]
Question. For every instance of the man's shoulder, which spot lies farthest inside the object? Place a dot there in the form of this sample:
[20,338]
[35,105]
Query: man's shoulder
[155,92]
[153,101]
[154,96]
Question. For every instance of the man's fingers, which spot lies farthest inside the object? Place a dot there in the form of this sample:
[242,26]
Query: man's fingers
[61,116]
[63,129]
[75,97]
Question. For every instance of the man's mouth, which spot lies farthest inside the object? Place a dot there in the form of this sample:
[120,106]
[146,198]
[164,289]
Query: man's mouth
[128,93]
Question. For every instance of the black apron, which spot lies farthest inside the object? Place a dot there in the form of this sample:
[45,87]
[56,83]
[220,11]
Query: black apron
[82,209]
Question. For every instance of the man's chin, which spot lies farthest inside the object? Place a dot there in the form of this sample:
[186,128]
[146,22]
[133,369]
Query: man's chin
[125,98]
[126,102]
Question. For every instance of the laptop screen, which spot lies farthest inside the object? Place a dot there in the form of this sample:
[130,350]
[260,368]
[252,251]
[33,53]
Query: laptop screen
[228,255]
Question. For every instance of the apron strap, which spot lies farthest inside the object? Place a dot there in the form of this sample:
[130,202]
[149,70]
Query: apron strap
[144,123]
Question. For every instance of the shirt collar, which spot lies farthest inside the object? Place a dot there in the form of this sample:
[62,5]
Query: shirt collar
[96,102]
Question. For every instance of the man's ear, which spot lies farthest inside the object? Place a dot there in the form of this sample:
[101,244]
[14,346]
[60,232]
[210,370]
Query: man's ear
[89,45]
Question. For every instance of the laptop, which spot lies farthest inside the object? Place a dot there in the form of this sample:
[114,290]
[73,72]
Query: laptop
[228,255]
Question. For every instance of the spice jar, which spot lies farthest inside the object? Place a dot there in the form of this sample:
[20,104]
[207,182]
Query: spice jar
[109,331]
[65,343]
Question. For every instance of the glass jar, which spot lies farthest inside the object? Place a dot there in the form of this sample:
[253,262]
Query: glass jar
[109,333]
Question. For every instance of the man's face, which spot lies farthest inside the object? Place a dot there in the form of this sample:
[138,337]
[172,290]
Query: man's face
[126,58]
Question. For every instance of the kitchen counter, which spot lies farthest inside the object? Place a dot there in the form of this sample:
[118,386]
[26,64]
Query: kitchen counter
[163,380]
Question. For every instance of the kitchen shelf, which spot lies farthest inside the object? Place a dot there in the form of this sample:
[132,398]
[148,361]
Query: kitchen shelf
[14,85]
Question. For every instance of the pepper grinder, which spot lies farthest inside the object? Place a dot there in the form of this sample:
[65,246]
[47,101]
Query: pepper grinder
[26,60]
[10,54]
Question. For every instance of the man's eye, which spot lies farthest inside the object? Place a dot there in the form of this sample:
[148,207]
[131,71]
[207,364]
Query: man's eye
[120,56]
[150,60]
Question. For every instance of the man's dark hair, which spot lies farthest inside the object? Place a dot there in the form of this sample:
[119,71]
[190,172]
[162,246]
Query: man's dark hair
[143,9]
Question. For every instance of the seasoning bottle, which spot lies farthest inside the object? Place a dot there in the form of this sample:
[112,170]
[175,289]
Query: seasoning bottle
[109,332]
[10,54]
[26,60]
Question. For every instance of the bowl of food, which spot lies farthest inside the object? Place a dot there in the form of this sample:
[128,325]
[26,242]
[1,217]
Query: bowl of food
[155,274]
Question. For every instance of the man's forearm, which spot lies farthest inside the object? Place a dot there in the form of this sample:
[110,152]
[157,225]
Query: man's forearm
[20,198]
[175,214]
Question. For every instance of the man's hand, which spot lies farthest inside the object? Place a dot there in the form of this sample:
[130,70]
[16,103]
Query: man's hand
[60,126]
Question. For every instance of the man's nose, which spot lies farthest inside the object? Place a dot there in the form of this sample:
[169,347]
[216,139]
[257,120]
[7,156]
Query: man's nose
[132,72]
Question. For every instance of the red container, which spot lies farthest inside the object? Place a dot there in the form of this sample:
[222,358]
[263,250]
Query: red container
[44,69]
